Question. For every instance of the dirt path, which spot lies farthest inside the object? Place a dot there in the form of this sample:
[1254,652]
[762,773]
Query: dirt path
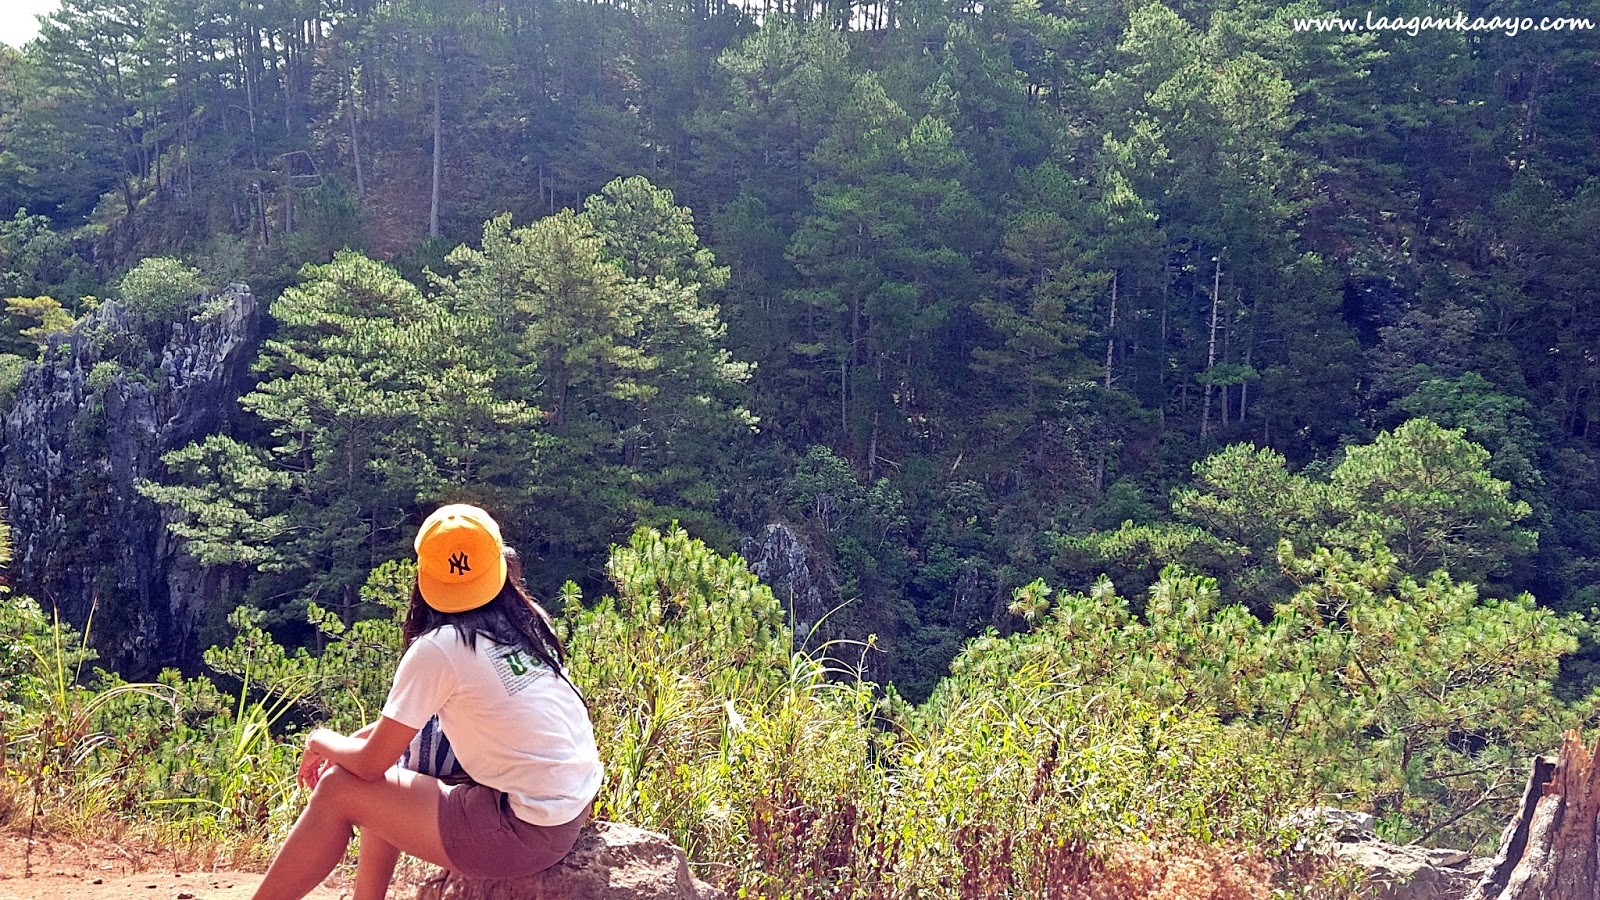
[154,885]
[57,869]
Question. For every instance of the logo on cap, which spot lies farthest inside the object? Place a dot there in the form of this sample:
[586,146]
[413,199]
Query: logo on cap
[460,558]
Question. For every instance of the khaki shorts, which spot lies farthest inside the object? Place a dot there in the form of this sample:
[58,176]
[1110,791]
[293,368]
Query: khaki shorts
[484,839]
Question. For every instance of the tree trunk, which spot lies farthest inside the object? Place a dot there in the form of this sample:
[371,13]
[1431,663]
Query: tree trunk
[1111,330]
[355,139]
[1211,349]
[1227,389]
[1249,351]
[872,450]
[261,214]
[1161,370]
[250,95]
[1551,850]
[438,164]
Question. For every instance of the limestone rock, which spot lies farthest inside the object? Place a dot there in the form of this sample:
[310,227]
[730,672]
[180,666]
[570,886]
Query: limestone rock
[92,418]
[1395,872]
[798,578]
[1335,824]
[609,862]
[1389,871]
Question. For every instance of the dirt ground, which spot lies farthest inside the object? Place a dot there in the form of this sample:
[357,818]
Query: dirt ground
[59,869]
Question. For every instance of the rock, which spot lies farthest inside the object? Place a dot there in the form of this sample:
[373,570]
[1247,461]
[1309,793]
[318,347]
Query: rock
[609,862]
[784,562]
[1335,824]
[91,420]
[1395,872]
[1390,871]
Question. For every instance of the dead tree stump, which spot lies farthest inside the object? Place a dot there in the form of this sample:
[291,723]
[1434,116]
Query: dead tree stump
[1551,850]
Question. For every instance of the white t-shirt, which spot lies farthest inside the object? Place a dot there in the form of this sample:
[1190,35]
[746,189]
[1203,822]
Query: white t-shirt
[514,725]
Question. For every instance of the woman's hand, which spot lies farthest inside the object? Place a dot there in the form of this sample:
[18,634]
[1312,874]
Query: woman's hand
[367,754]
[314,759]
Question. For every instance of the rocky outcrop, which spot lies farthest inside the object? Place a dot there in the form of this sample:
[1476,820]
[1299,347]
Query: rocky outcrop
[784,562]
[609,862]
[1396,872]
[92,418]
[1390,871]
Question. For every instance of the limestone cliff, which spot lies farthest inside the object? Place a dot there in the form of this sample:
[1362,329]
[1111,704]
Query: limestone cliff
[91,419]
[806,587]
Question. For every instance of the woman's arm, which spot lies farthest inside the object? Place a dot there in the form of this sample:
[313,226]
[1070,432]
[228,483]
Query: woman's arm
[367,754]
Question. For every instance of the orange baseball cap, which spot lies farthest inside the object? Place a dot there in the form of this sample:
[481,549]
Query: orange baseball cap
[461,562]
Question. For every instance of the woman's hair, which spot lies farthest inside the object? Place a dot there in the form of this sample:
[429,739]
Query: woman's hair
[512,618]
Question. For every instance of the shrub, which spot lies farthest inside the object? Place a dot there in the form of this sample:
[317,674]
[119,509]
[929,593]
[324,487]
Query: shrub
[163,289]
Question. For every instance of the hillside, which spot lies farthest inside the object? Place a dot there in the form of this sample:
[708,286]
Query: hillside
[946,287]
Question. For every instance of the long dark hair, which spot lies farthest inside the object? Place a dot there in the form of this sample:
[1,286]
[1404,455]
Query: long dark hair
[512,618]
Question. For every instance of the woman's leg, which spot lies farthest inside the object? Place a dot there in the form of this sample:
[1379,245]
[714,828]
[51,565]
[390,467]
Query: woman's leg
[375,863]
[401,810]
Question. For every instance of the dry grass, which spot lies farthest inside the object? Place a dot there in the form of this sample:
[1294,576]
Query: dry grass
[1131,871]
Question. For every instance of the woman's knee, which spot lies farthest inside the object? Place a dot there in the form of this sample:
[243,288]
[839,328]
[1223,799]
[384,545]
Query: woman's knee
[334,784]
[344,794]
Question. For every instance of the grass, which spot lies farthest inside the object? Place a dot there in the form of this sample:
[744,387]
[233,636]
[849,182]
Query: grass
[170,763]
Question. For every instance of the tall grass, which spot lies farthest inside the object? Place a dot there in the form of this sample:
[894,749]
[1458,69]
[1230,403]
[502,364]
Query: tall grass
[248,787]
[175,761]
[52,745]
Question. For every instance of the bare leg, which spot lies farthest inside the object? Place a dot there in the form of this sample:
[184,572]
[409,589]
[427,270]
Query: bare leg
[401,811]
[375,864]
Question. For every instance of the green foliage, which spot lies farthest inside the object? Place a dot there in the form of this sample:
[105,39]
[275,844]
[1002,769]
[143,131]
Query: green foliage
[37,265]
[1020,271]
[235,779]
[1040,321]
[1499,422]
[163,289]
[45,312]
[224,528]
[12,368]
[890,219]
[356,665]
[1426,491]
[769,768]
[375,401]
[570,377]
[37,260]
[689,653]
[1247,495]
[1193,721]
[179,756]
[56,741]
[1423,698]
[603,320]
[1415,698]
[825,495]
[651,237]
[1423,490]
